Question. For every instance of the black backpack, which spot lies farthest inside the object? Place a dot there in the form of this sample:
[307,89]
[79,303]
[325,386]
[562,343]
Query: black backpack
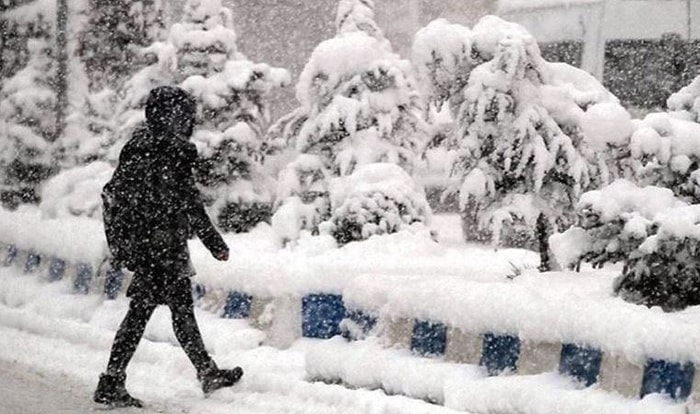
[131,200]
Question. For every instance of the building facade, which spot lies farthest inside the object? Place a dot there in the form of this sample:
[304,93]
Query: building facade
[641,49]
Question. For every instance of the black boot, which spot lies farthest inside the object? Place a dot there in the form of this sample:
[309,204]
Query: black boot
[111,390]
[214,378]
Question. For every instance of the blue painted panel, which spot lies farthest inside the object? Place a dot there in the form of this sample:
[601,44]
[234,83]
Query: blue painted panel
[32,262]
[366,321]
[11,255]
[198,291]
[321,315]
[83,278]
[671,378]
[57,267]
[500,353]
[237,305]
[114,278]
[580,362]
[429,338]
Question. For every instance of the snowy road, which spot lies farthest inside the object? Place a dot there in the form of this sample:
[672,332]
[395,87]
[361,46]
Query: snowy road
[53,346]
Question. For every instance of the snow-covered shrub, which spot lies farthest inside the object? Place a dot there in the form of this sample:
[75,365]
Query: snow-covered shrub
[359,103]
[200,55]
[668,155]
[376,199]
[665,270]
[76,191]
[523,150]
[686,102]
[613,222]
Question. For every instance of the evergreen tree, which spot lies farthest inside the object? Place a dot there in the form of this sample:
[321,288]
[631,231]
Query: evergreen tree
[522,146]
[358,99]
[359,103]
[25,101]
[116,29]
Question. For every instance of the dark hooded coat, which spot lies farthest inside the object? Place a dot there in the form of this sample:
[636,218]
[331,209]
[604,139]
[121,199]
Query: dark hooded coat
[155,183]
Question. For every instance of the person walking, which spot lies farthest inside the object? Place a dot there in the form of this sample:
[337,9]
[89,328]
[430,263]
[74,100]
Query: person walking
[151,208]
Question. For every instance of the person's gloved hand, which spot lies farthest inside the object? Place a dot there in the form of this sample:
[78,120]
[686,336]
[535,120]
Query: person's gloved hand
[221,255]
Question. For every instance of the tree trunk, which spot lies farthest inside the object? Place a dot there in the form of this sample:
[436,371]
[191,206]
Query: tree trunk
[62,69]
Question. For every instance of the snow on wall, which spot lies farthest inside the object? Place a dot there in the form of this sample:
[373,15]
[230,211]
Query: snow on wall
[505,6]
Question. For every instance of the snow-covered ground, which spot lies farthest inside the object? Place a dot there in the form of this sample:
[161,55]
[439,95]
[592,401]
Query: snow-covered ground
[49,335]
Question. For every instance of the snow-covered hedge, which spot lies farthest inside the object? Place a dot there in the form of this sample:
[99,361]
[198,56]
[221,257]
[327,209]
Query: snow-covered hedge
[655,234]
[665,270]
[613,222]
[667,154]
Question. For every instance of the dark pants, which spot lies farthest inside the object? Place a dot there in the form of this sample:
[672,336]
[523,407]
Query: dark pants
[184,324]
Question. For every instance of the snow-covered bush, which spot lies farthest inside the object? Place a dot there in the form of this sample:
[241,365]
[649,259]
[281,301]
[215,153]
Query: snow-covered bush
[359,103]
[523,149]
[665,270]
[376,199]
[686,102]
[667,154]
[613,222]
[200,55]
[76,191]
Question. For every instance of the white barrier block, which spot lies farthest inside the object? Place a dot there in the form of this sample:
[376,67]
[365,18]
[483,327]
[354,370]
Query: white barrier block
[261,313]
[463,347]
[538,357]
[396,331]
[213,301]
[43,269]
[694,398]
[285,326]
[618,374]
[21,259]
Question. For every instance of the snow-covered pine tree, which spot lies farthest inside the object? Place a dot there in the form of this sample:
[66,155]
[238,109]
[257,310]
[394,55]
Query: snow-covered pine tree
[115,30]
[359,103]
[200,54]
[27,120]
[522,151]
[442,57]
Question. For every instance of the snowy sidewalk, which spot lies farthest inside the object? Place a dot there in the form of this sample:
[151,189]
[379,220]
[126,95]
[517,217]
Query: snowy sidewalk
[54,345]
[26,391]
